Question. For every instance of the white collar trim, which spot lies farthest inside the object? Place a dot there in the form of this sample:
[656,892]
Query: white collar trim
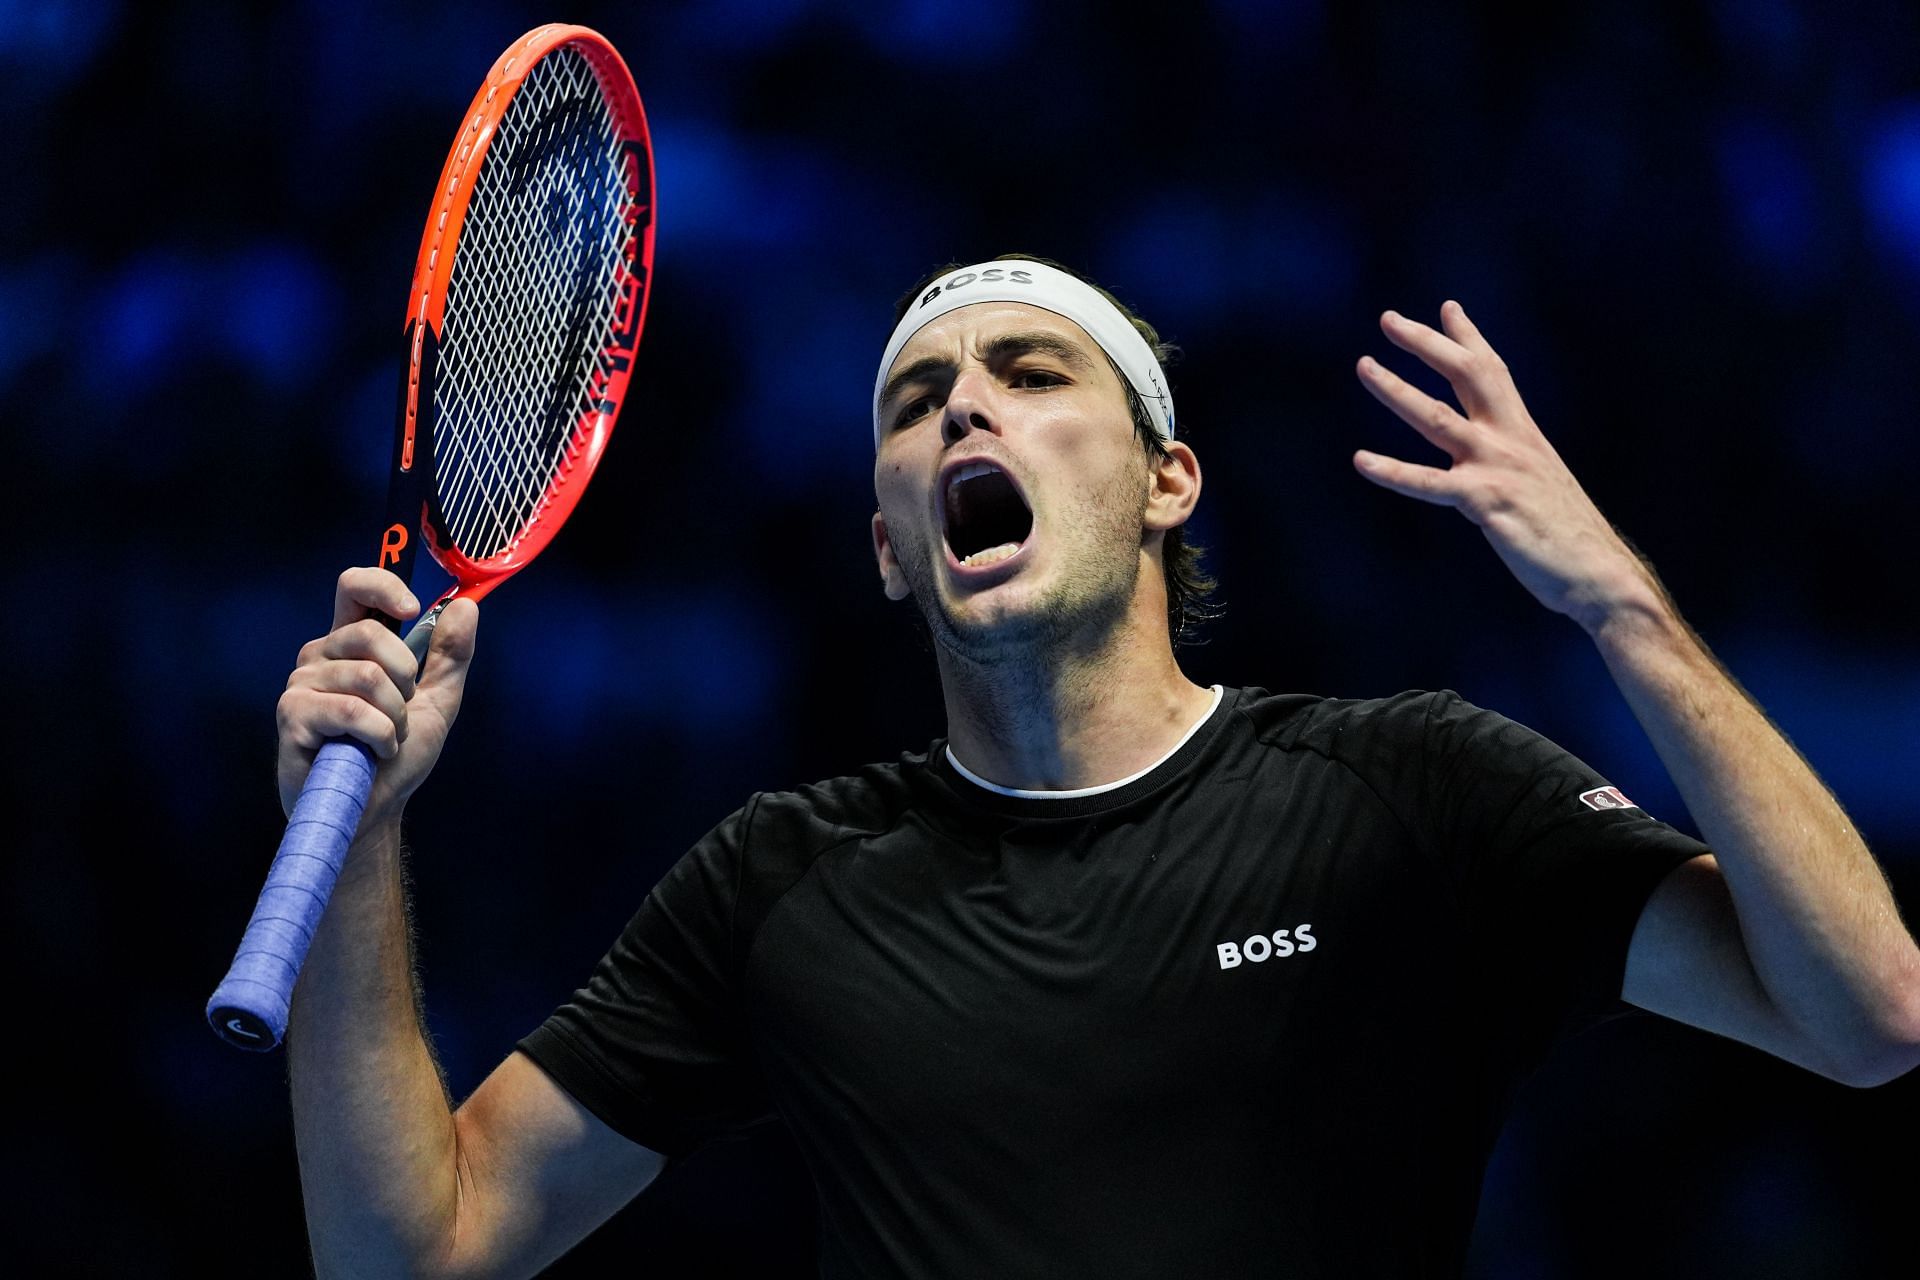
[1079,792]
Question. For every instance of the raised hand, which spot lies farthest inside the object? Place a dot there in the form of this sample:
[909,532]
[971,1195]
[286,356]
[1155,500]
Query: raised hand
[1504,475]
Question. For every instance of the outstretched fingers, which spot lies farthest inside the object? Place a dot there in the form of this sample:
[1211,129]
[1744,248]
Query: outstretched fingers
[1453,318]
[1446,356]
[1429,484]
[1438,421]
[1462,355]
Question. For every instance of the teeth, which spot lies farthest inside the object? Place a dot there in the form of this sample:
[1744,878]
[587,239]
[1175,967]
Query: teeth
[992,555]
[968,472]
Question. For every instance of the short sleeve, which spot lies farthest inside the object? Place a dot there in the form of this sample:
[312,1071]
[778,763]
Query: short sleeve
[654,1044]
[1554,864]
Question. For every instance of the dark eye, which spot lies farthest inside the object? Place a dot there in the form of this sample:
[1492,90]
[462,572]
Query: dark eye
[1037,379]
[911,410]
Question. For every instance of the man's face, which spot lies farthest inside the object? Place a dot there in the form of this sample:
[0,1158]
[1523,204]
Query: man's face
[1010,483]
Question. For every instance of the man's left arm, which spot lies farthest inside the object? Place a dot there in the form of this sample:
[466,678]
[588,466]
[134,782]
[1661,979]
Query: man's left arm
[1787,938]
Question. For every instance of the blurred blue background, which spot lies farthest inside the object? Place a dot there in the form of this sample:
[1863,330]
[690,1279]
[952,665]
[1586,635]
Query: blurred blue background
[1692,231]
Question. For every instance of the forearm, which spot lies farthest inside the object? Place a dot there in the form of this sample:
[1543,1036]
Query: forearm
[1816,915]
[371,1115]
[1838,973]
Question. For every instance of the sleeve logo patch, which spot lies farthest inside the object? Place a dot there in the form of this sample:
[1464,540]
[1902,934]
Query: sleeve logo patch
[1606,798]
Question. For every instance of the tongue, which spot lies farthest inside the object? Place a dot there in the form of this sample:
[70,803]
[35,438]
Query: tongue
[992,555]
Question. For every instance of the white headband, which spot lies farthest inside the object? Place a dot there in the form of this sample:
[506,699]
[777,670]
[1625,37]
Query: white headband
[1050,289]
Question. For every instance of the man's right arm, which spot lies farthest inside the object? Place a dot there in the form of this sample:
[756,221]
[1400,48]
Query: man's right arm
[396,1182]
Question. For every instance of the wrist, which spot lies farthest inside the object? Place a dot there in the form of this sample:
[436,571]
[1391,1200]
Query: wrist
[375,850]
[1629,600]
[1629,629]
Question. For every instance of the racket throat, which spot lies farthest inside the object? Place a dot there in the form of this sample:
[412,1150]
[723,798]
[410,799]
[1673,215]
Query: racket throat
[420,635]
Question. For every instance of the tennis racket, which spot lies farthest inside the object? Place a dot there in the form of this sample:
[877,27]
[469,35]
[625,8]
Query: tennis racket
[528,298]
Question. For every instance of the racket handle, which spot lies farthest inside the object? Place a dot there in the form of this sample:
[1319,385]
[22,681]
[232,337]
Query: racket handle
[249,1008]
[420,635]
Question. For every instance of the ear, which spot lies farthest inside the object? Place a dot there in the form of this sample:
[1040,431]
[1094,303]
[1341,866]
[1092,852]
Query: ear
[892,580]
[1173,487]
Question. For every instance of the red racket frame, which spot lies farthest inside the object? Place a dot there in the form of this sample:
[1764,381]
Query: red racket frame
[251,1006]
[433,270]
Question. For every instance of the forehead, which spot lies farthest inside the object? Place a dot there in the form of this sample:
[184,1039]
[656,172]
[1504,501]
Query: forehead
[967,329]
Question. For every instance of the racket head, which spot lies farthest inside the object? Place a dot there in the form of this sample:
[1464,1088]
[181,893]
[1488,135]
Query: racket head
[528,298]
[520,343]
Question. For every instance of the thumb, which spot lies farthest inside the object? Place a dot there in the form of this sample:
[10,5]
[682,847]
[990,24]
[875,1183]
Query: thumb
[450,649]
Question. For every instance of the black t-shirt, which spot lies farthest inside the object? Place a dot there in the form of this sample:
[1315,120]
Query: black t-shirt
[1255,1013]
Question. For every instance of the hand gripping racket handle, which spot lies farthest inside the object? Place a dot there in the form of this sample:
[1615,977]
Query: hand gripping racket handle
[249,1007]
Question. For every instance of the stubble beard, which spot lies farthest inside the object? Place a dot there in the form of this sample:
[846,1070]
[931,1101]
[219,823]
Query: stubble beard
[1090,596]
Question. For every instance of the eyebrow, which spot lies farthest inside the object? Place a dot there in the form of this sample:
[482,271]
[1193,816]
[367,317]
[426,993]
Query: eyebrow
[1008,346]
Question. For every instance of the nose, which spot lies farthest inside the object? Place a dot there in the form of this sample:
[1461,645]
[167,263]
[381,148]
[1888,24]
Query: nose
[967,407]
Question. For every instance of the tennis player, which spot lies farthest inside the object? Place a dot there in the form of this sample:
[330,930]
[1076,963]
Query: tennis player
[1123,976]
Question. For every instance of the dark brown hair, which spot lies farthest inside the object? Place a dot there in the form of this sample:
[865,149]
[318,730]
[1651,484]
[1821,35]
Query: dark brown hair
[1190,588]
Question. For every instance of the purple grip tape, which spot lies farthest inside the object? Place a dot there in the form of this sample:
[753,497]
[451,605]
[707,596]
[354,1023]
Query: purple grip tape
[249,1008]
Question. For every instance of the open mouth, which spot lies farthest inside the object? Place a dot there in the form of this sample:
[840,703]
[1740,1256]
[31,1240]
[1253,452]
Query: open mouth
[987,519]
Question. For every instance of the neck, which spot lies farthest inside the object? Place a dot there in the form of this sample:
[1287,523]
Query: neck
[1106,707]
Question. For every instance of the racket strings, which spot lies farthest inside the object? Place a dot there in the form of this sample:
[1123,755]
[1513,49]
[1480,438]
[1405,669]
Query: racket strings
[530,305]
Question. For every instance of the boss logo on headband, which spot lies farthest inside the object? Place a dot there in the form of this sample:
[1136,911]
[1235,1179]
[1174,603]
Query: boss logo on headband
[966,278]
